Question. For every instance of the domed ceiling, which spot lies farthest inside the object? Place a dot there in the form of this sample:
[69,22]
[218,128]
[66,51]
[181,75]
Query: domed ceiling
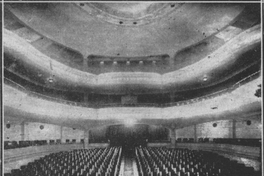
[146,29]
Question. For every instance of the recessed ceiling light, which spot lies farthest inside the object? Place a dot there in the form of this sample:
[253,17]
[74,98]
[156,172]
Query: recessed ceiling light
[114,63]
[102,63]
[128,62]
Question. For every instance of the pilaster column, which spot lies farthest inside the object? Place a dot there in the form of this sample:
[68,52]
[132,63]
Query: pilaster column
[22,131]
[195,133]
[172,97]
[86,139]
[173,136]
[61,133]
[85,64]
[234,129]
[171,62]
[110,99]
[86,98]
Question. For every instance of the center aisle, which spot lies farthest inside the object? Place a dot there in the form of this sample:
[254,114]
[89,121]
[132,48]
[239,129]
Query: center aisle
[128,170]
[130,167]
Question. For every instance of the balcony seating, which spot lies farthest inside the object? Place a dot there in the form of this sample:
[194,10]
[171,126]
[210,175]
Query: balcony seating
[184,162]
[92,162]
[21,144]
[237,141]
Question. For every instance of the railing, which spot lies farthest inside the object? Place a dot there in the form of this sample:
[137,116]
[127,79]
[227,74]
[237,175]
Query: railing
[221,92]
[28,143]
[233,141]
[94,105]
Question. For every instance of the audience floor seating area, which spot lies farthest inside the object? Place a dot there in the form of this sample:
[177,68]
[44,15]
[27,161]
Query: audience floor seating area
[184,162]
[140,161]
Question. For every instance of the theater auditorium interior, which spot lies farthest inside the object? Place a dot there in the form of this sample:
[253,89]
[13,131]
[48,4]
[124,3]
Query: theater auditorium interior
[132,89]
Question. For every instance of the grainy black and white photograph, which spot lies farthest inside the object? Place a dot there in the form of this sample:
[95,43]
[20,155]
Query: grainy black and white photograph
[132,88]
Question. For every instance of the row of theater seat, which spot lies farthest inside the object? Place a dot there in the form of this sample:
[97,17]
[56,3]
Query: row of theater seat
[236,141]
[82,162]
[184,162]
[150,162]
[21,144]
[245,142]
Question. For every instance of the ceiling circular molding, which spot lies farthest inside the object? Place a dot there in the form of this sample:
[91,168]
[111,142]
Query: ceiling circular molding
[129,14]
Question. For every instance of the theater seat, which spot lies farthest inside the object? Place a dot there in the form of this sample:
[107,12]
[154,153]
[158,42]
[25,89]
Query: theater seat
[92,162]
[184,162]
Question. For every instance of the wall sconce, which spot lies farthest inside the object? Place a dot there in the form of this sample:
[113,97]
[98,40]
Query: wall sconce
[41,127]
[8,125]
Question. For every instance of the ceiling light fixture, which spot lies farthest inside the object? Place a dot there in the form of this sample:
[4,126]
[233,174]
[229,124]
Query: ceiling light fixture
[114,63]
[130,122]
[140,62]
[50,80]
[205,78]
[128,62]
[102,63]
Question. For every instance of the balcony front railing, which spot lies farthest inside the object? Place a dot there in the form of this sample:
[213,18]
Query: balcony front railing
[101,105]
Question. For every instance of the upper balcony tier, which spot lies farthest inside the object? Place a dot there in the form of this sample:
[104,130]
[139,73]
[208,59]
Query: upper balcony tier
[238,54]
[83,48]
